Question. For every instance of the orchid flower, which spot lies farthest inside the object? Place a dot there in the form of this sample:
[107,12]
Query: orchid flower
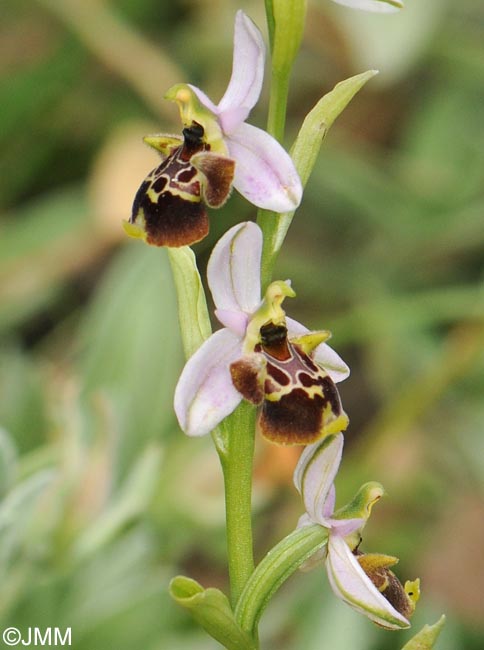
[259,354]
[264,172]
[376,6]
[362,581]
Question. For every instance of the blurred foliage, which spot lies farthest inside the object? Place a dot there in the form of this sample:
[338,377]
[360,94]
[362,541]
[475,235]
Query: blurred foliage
[103,500]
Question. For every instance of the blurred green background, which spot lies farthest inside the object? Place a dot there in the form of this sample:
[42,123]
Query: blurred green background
[103,499]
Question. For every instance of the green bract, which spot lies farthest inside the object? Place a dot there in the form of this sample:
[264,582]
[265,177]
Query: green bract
[211,609]
[192,305]
[277,566]
[425,639]
[304,153]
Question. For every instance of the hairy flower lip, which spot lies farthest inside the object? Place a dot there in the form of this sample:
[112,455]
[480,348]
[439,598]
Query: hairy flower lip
[169,208]
[205,394]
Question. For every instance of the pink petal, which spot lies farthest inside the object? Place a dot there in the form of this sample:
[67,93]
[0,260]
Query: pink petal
[324,355]
[344,527]
[316,558]
[329,504]
[234,320]
[304,520]
[350,583]
[233,269]
[247,74]
[264,171]
[315,473]
[205,395]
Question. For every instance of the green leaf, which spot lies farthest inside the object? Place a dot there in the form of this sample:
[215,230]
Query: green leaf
[426,638]
[211,609]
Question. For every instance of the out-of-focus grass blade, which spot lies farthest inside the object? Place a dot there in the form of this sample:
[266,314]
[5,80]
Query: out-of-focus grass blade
[22,405]
[114,581]
[8,461]
[18,519]
[443,144]
[130,502]
[28,133]
[41,246]
[130,344]
[20,98]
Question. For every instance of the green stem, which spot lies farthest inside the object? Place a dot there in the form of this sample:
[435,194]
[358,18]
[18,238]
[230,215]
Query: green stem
[237,460]
[267,220]
[276,120]
[234,439]
[276,123]
[270,21]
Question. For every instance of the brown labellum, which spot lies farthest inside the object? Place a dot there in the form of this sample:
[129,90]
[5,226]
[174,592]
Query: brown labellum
[169,207]
[300,402]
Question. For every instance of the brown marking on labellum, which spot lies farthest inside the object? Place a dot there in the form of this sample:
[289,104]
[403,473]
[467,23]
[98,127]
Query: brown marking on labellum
[246,377]
[219,175]
[281,378]
[158,185]
[295,419]
[305,379]
[186,175]
[174,222]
